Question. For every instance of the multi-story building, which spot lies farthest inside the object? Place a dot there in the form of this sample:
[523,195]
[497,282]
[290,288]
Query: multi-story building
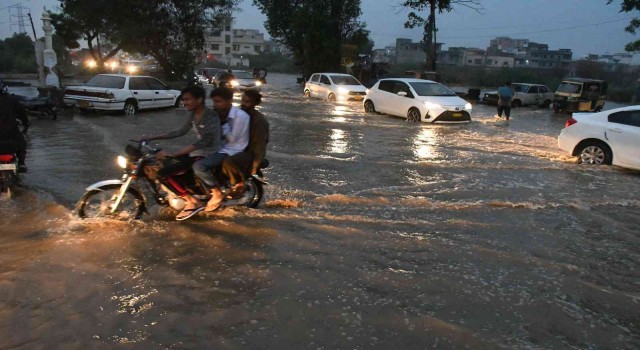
[406,51]
[231,46]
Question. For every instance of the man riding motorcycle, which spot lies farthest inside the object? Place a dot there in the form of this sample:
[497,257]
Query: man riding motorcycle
[10,135]
[206,124]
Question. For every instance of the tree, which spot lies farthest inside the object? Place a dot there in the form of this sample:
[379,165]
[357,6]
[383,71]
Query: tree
[172,31]
[314,30]
[629,6]
[429,23]
[17,54]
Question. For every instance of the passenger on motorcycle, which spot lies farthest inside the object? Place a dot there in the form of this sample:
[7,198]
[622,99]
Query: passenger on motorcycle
[236,167]
[206,124]
[10,111]
[235,138]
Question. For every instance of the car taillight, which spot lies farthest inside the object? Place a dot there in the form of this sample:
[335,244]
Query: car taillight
[570,122]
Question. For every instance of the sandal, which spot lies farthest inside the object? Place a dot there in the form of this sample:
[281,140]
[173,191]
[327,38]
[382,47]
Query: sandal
[188,213]
[213,203]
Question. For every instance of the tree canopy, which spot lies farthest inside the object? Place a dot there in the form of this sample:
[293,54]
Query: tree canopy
[634,24]
[315,30]
[170,30]
[17,54]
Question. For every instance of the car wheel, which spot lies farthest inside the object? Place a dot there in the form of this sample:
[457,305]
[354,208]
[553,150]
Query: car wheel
[307,93]
[546,104]
[130,108]
[594,152]
[414,115]
[369,107]
[331,97]
[516,104]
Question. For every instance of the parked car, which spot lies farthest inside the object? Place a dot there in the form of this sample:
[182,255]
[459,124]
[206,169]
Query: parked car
[417,100]
[334,86]
[525,95]
[120,92]
[608,137]
[244,80]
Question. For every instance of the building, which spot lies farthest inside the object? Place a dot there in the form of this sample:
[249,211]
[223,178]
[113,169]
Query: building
[406,51]
[275,47]
[528,54]
[231,46]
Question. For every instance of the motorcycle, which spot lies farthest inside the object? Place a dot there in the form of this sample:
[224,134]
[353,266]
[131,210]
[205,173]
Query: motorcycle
[124,199]
[9,176]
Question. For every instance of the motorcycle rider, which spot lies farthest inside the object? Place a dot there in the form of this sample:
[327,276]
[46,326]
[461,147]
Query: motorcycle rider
[237,166]
[10,111]
[206,124]
[235,133]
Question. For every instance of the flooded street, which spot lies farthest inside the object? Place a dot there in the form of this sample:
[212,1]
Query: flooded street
[375,233]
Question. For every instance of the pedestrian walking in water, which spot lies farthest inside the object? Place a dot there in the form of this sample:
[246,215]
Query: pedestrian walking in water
[505,95]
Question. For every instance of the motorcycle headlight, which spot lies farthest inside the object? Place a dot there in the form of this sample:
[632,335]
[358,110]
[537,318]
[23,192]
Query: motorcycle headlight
[258,83]
[122,162]
[431,105]
[468,106]
[234,83]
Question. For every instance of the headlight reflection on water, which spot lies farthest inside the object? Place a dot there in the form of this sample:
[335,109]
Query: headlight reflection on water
[425,145]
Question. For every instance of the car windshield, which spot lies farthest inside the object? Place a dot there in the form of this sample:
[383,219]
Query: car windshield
[107,81]
[519,88]
[242,75]
[431,89]
[344,80]
[570,88]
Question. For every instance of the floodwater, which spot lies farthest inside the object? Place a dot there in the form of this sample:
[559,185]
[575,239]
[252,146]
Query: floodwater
[375,233]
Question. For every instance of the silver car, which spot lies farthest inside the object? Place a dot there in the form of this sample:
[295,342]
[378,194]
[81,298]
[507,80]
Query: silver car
[525,95]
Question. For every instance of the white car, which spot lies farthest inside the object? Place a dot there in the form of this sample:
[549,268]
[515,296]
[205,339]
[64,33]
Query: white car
[244,81]
[417,100]
[524,95]
[334,86]
[608,137]
[121,92]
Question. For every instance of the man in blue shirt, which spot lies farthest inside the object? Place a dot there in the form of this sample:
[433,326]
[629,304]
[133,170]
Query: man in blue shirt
[505,95]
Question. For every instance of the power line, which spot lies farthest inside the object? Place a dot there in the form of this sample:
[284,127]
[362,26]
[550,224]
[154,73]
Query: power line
[19,3]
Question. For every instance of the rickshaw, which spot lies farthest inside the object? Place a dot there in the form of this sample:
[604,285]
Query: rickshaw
[580,95]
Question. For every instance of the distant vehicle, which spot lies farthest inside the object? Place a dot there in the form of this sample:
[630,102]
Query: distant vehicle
[525,95]
[244,80]
[120,92]
[609,137]
[207,75]
[580,95]
[334,86]
[417,100]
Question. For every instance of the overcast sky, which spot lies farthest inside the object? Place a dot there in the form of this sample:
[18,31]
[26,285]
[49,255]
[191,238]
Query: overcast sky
[585,26]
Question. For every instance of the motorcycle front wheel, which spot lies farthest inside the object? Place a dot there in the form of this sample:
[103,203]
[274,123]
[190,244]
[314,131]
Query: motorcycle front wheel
[99,202]
[254,192]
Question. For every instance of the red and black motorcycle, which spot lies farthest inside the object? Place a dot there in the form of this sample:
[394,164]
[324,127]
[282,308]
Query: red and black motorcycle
[9,176]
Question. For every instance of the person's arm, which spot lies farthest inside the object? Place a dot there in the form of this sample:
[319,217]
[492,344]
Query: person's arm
[183,130]
[239,128]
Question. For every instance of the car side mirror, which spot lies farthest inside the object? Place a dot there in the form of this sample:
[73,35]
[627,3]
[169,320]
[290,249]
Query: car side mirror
[402,93]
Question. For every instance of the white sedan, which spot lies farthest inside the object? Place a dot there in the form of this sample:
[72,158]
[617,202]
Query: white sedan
[608,137]
[417,100]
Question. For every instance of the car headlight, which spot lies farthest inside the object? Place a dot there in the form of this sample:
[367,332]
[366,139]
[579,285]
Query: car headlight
[368,91]
[258,83]
[122,162]
[343,91]
[234,83]
[431,105]
[468,106]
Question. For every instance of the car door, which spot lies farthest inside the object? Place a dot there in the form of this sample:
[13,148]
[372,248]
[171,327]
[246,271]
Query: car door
[402,98]
[623,133]
[313,85]
[162,96]
[324,88]
[531,96]
[382,98]
[141,92]
[545,94]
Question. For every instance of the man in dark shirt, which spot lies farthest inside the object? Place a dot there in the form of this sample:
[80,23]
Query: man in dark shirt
[248,162]
[10,135]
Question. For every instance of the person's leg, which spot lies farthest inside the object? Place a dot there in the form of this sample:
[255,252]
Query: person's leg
[204,168]
[507,112]
[21,153]
[236,168]
[171,166]
[500,109]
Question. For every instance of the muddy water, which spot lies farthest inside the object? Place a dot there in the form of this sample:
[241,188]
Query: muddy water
[375,234]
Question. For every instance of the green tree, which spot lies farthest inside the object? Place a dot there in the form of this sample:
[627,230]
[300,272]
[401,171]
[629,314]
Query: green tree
[314,30]
[429,23]
[170,30]
[17,54]
[630,6]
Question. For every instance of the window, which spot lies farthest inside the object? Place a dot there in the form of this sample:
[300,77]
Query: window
[155,84]
[325,80]
[431,89]
[236,47]
[227,39]
[344,80]
[543,89]
[138,84]
[631,118]
[257,48]
[533,90]
[402,87]
[227,50]
[107,81]
[315,78]
[216,33]
[227,27]
[387,85]
[214,47]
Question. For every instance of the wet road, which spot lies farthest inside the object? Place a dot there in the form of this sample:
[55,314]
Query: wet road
[375,234]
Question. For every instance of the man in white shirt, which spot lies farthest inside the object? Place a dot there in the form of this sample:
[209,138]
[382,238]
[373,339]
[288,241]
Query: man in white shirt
[235,139]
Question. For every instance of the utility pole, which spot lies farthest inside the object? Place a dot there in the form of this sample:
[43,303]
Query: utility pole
[39,47]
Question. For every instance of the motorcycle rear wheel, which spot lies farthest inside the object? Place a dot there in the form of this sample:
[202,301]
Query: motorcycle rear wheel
[255,191]
[97,204]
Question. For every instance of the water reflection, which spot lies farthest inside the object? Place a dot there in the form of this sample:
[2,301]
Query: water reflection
[339,142]
[425,145]
[340,110]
